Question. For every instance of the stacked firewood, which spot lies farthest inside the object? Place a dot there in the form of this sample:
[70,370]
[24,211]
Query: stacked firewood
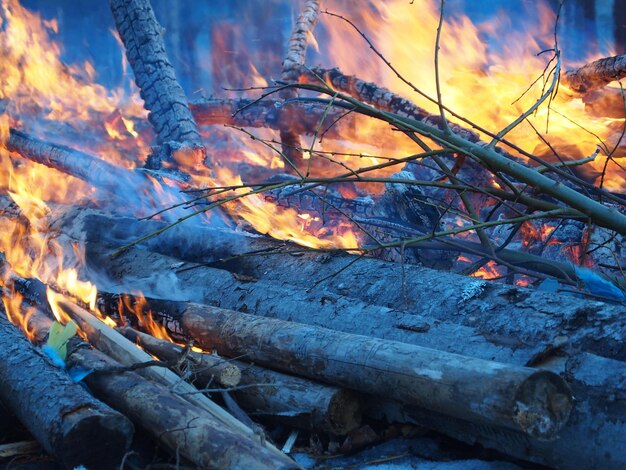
[312,340]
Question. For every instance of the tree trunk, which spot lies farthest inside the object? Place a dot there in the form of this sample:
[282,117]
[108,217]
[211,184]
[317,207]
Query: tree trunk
[68,422]
[163,96]
[290,400]
[296,55]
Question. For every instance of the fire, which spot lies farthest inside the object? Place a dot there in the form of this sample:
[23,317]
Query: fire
[138,306]
[484,83]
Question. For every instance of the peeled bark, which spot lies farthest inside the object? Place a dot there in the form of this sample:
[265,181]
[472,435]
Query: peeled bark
[595,74]
[535,402]
[293,401]
[66,420]
[163,96]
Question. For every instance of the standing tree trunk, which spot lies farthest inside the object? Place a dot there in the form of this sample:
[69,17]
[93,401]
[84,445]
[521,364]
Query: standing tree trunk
[169,115]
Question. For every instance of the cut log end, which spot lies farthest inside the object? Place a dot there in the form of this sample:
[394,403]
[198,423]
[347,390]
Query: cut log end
[110,429]
[543,405]
[344,412]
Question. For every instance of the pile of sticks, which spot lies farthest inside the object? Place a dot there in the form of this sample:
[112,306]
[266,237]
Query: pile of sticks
[487,363]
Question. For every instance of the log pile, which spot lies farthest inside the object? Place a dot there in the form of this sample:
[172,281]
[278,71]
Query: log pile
[318,341]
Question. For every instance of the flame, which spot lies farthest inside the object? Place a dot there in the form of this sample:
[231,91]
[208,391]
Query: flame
[137,305]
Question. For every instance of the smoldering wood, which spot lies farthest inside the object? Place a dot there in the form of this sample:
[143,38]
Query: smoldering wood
[595,74]
[296,55]
[163,96]
[290,400]
[205,368]
[116,346]
[460,386]
[66,420]
[173,421]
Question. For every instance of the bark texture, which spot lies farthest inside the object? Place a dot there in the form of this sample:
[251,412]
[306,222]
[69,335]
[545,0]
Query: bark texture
[163,96]
[595,74]
[172,420]
[293,401]
[121,350]
[535,402]
[66,420]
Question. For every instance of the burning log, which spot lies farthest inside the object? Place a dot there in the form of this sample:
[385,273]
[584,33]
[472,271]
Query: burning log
[379,97]
[72,162]
[296,54]
[608,102]
[596,74]
[169,114]
[122,350]
[68,422]
[301,117]
[291,400]
[535,402]
[205,368]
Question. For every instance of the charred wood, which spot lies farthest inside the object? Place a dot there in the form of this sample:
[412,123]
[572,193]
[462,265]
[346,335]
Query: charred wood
[290,400]
[535,402]
[595,74]
[380,97]
[163,96]
[296,55]
[66,420]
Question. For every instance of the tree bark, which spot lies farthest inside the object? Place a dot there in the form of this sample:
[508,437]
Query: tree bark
[172,420]
[112,343]
[595,74]
[535,402]
[163,96]
[290,400]
[68,422]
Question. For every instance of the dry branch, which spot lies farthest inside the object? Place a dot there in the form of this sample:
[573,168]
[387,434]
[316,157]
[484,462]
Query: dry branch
[595,74]
[163,96]
[296,55]
[537,403]
[379,97]
[205,368]
[68,422]
[293,401]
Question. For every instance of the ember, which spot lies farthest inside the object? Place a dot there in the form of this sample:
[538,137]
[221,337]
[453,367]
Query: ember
[384,213]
